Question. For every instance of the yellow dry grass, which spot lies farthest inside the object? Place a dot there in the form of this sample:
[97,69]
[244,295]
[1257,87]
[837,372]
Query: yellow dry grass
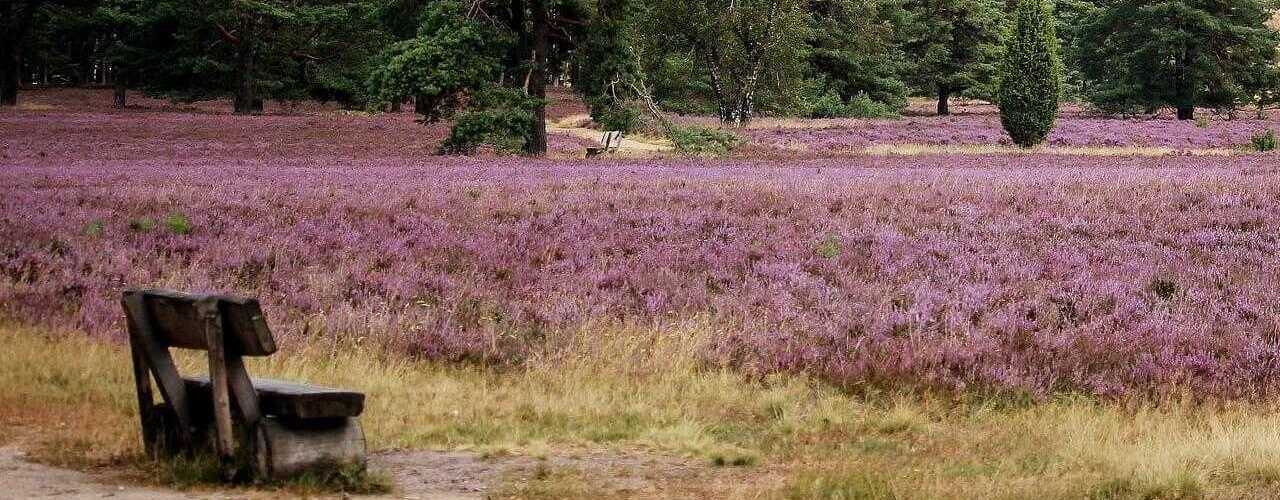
[68,400]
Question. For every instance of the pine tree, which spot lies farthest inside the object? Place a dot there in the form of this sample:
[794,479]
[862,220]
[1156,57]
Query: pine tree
[954,46]
[1140,56]
[1030,76]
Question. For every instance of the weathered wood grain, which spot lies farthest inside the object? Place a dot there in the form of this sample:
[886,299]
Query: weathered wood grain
[287,448]
[175,321]
[292,400]
[158,360]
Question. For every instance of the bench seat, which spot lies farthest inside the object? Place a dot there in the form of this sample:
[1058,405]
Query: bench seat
[284,399]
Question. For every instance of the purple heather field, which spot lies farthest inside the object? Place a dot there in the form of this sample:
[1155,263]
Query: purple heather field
[982,127]
[1031,274]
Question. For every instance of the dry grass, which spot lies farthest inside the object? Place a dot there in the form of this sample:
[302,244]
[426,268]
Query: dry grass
[69,399]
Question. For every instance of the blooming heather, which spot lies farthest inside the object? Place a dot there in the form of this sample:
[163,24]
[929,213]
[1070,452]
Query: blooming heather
[1032,274]
[1071,129]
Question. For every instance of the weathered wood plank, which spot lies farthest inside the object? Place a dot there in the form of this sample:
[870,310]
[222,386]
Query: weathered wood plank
[225,440]
[158,360]
[176,321]
[292,400]
[245,397]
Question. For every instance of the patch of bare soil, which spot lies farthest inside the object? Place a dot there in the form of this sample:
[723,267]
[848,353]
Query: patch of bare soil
[22,479]
[462,475]
[432,475]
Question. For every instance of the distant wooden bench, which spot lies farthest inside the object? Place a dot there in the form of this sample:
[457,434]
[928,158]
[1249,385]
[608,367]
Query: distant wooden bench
[609,142]
[287,428]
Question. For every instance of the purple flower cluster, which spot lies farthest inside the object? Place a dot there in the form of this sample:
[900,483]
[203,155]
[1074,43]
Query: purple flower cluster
[1072,129]
[1033,274]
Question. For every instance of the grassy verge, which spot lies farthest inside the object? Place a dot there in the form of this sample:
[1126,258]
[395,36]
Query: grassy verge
[633,389]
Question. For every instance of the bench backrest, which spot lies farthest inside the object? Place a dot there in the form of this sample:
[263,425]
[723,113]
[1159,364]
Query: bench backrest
[611,139]
[176,321]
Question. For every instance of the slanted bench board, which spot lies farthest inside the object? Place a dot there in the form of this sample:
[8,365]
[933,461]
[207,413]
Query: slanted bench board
[279,398]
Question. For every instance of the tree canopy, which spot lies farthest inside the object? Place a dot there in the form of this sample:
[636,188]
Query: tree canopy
[1142,55]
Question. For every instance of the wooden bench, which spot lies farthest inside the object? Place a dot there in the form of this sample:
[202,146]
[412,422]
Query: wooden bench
[286,428]
[609,142]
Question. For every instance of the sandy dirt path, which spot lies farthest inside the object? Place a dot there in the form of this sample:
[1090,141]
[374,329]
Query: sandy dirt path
[423,475]
[571,125]
[20,479]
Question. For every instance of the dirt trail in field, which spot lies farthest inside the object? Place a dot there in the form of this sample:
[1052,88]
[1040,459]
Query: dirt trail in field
[431,475]
[22,479]
[573,125]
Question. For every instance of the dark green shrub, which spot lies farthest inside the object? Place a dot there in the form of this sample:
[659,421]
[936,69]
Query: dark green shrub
[142,225]
[501,118]
[703,141]
[612,114]
[829,105]
[1264,140]
[1030,76]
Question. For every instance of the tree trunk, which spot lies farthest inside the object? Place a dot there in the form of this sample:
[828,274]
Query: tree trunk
[944,95]
[9,55]
[395,105]
[1186,112]
[537,145]
[118,92]
[9,75]
[246,101]
[420,106]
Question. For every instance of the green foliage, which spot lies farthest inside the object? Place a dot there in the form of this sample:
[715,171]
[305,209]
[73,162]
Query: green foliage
[498,117]
[613,114]
[607,63]
[852,51]
[177,223]
[1030,76]
[1263,141]
[703,141]
[830,105]
[1140,56]
[451,56]
[829,248]
[747,48]
[954,45]
[142,225]
[94,228]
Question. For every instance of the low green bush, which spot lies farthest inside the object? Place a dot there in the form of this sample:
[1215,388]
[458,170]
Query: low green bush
[830,105]
[612,114]
[1264,140]
[703,141]
[501,118]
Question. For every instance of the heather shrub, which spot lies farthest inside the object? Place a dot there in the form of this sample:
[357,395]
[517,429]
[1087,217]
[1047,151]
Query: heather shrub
[703,141]
[1030,76]
[1263,141]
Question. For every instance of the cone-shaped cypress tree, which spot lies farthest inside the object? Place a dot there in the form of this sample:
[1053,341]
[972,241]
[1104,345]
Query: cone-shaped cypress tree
[1030,76]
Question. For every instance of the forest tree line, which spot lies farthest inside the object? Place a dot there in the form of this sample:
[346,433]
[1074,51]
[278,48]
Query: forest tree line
[486,64]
